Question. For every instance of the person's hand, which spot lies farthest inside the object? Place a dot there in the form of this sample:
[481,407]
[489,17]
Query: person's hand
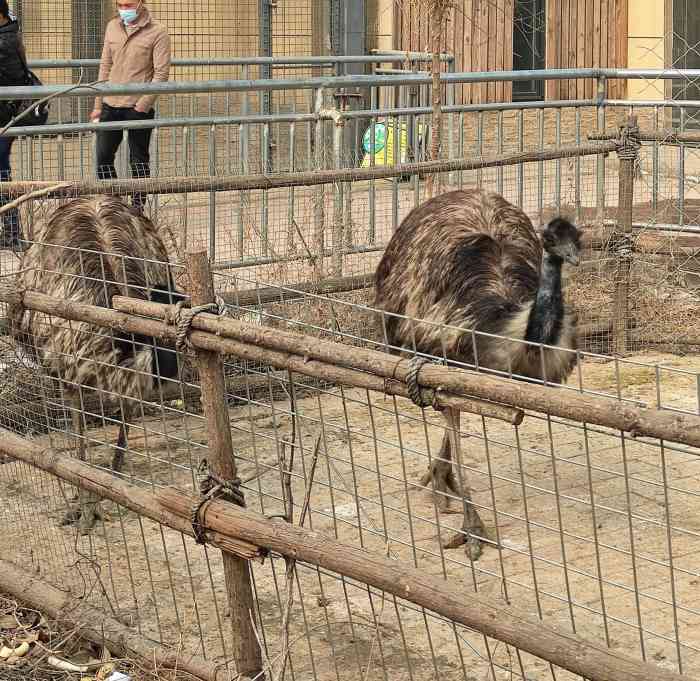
[95,115]
[139,108]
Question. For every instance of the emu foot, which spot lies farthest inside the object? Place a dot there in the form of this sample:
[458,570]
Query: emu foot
[445,484]
[472,534]
[84,515]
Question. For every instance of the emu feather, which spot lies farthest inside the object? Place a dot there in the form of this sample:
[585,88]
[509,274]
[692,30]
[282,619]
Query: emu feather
[469,260]
[90,250]
[467,277]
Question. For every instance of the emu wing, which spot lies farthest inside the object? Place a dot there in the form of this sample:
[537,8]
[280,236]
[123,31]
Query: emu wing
[466,259]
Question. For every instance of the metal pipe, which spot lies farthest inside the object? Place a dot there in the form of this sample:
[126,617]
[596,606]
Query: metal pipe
[399,55]
[354,81]
[286,62]
[70,128]
[329,82]
[653,103]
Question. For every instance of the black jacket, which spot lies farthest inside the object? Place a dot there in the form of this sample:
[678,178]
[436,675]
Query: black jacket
[12,70]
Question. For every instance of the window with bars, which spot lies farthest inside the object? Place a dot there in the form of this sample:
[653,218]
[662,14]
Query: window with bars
[686,55]
[529,26]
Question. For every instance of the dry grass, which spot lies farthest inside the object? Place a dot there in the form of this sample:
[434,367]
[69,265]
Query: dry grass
[49,638]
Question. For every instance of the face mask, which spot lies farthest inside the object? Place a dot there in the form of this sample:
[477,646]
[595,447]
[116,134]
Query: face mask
[128,15]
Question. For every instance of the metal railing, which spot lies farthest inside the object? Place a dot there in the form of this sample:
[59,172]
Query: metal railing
[225,134]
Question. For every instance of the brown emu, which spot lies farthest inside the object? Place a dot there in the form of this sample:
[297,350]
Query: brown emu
[90,250]
[471,261]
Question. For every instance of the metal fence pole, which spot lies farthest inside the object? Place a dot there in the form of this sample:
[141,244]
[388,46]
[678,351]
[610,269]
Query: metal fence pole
[339,140]
[247,652]
[601,96]
[627,153]
[319,193]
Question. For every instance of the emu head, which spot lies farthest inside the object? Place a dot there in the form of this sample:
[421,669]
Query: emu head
[562,240]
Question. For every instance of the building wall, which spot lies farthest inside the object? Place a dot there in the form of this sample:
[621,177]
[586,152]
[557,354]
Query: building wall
[479,35]
[647,47]
[199,28]
[586,34]
[579,34]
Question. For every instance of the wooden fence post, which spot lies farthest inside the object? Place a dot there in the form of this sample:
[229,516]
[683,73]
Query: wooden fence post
[628,153]
[247,652]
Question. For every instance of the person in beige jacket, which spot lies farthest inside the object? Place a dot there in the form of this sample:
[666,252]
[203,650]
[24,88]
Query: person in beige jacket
[136,50]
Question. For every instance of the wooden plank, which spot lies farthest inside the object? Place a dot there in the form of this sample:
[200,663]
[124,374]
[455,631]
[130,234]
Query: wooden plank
[553,46]
[221,458]
[590,39]
[581,40]
[622,26]
[498,38]
[573,42]
[509,15]
[491,41]
[604,32]
[398,26]
[406,13]
[455,44]
[484,46]
[564,34]
[477,8]
[463,25]
[597,5]
[612,48]
[412,27]
[422,31]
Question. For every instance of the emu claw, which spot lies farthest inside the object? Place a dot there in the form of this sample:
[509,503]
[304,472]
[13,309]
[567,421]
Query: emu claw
[473,544]
[445,484]
[84,517]
[472,534]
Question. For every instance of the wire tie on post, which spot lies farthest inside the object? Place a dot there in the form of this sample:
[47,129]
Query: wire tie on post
[211,486]
[628,142]
[421,397]
[629,146]
[623,246]
[183,316]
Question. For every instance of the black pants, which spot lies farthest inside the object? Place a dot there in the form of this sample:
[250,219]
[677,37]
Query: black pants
[139,140]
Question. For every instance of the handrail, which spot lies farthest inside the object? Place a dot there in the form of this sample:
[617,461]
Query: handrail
[377,57]
[337,82]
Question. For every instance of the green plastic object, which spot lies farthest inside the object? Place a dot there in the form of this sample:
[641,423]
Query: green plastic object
[379,138]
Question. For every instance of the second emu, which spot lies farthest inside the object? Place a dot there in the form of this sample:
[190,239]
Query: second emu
[90,250]
[470,261]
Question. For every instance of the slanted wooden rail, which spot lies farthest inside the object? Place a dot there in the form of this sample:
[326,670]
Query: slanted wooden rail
[227,523]
[346,365]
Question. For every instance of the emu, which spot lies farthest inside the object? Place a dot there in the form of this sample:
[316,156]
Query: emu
[470,261]
[90,250]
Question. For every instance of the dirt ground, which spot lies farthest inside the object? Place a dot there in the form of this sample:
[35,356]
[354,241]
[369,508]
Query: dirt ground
[588,530]
[597,533]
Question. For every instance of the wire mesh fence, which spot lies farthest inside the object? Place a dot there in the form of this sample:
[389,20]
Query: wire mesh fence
[588,527]
[590,524]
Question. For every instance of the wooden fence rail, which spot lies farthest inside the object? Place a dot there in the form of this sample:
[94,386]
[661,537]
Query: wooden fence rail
[179,185]
[214,331]
[228,522]
[311,356]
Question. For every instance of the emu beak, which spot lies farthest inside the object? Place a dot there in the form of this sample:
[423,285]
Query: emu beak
[573,259]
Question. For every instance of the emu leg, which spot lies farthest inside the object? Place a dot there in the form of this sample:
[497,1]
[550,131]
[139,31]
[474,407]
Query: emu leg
[473,530]
[442,477]
[85,513]
[122,440]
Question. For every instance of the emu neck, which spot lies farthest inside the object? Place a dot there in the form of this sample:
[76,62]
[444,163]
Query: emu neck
[545,321]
